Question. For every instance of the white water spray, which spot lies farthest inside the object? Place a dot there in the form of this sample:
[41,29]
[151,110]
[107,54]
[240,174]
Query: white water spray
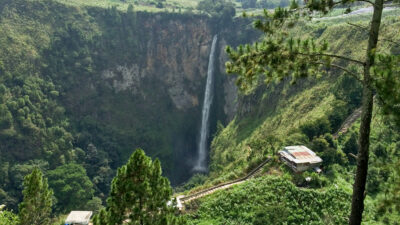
[208,97]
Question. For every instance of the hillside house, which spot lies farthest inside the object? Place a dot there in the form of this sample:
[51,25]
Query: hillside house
[78,218]
[300,158]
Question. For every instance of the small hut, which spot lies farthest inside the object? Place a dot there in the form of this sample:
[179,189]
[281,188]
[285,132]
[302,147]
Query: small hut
[300,158]
[78,218]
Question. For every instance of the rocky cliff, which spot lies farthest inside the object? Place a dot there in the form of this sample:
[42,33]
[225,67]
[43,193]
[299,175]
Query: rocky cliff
[175,54]
[117,80]
[145,85]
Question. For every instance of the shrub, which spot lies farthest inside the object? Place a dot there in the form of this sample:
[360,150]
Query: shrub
[9,218]
[272,214]
[316,128]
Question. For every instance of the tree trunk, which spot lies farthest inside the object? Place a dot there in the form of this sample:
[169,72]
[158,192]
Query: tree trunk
[141,211]
[357,206]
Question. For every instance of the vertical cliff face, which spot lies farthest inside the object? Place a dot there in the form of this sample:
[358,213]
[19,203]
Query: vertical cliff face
[146,86]
[89,85]
[175,55]
[117,80]
[230,91]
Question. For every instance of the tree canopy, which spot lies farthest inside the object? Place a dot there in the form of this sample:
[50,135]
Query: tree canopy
[9,218]
[139,194]
[72,188]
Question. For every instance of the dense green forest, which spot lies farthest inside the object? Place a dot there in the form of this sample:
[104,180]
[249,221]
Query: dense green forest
[83,84]
[81,88]
[43,64]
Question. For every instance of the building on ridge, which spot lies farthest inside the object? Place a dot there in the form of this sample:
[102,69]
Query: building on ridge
[300,158]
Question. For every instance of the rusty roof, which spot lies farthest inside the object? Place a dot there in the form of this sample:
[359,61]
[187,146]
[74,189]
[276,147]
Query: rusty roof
[300,154]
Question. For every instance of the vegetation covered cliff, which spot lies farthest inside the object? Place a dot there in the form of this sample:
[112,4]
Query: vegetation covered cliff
[83,86]
[305,112]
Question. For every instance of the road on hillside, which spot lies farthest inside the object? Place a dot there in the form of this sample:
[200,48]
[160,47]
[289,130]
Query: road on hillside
[356,12]
[183,199]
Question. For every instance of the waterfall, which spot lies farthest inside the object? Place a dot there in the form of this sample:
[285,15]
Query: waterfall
[205,114]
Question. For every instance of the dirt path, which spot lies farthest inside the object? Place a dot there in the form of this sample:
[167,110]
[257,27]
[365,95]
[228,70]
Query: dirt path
[348,122]
[183,199]
[355,12]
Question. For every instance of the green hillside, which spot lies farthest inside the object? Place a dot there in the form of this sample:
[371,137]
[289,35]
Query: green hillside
[305,113]
[84,83]
[272,200]
[270,117]
[324,200]
[56,110]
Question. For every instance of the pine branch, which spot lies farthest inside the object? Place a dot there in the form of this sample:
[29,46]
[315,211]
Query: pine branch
[355,75]
[333,56]
[391,41]
[358,26]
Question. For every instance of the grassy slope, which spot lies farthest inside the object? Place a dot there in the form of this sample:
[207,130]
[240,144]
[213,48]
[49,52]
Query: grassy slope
[291,111]
[271,195]
[280,109]
[273,122]
[280,112]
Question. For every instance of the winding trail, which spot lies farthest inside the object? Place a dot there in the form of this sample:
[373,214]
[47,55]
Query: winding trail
[356,12]
[184,199]
[348,122]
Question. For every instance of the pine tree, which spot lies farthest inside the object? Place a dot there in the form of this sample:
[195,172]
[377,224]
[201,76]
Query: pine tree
[139,194]
[280,56]
[36,206]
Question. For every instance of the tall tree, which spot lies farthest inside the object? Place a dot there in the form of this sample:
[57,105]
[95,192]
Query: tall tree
[139,194]
[36,206]
[280,55]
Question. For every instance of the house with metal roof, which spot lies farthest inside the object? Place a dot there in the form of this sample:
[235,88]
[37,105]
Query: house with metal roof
[78,218]
[300,158]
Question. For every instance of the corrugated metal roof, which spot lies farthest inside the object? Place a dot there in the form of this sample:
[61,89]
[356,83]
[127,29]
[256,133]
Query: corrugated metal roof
[300,154]
[82,217]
